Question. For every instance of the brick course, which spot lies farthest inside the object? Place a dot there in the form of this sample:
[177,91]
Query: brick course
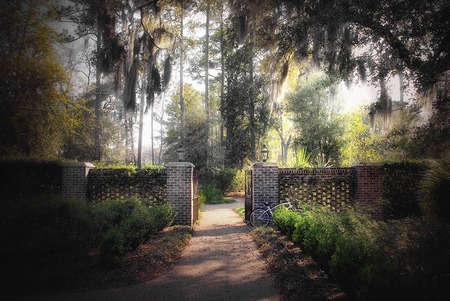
[180,191]
[75,179]
[362,184]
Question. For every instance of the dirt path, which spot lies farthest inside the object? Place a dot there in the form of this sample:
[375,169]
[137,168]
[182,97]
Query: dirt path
[220,263]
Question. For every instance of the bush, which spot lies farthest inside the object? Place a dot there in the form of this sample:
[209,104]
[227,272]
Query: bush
[51,228]
[435,190]
[46,226]
[400,260]
[211,195]
[112,248]
[134,230]
[286,219]
[111,213]
[226,180]
[345,243]
[400,182]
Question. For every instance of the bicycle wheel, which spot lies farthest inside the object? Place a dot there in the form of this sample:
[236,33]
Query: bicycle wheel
[259,217]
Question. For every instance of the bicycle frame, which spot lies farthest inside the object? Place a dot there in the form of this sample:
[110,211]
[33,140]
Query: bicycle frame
[267,214]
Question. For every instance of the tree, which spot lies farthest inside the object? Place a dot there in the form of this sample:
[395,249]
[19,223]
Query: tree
[132,45]
[244,109]
[194,127]
[316,119]
[35,116]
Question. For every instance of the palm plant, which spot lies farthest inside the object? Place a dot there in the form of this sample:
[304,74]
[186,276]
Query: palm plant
[435,190]
[301,159]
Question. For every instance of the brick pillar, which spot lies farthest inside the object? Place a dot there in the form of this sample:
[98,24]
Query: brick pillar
[264,184]
[180,191]
[369,188]
[74,179]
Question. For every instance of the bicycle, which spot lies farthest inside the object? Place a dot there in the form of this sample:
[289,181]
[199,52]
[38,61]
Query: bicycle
[261,217]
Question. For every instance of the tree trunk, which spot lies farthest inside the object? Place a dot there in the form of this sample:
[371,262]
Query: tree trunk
[207,83]
[252,106]
[151,134]
[98,97]
[141,122]
[182,106]
[222,75]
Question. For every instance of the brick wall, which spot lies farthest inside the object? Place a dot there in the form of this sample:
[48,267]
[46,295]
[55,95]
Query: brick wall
[75,179]
[336,188]
[369,188]
[331,187]
[265,184]
[180,191]
[107,184]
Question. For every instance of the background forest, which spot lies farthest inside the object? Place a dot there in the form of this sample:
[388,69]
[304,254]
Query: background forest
[128,81]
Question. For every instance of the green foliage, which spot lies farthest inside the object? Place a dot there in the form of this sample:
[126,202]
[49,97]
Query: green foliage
[226,179]
[359,146]
[210,194]
[302,159]
[400,182]
[36,114]
[128,181]
[399,259]
[316,120]
[432,139]
[286,219]
[51,228]
[194,131]
[135,228]
[246,105]
[46,226]
[435,190]
[240,211]
[112,248]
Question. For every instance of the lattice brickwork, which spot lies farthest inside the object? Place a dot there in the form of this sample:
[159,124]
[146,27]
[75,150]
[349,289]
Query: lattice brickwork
[107,184]
[331,187]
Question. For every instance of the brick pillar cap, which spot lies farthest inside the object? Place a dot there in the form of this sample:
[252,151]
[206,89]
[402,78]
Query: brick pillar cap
[78,164]
[362,164]
[264,164]
[180,164]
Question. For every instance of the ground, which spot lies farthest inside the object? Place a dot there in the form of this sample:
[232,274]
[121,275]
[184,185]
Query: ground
[222,262]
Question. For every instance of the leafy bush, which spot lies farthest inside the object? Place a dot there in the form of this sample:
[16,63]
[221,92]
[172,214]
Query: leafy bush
[50,228]
[400,182]
[211,194]
[286,219]
[435,190]
[112,248]
[400,260]
[162,216]
[46,226]
[226,180]
[134,229]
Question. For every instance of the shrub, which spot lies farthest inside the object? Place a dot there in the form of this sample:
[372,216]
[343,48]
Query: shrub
[345,243]
[51,228]
[112,248]
[286,219]
[46,226]
[134,230]
[162,216]
[400,182]
[435,190]
[226,180]
[211,194]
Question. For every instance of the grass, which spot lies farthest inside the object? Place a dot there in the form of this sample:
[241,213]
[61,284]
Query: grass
[148,261]
[240,211]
